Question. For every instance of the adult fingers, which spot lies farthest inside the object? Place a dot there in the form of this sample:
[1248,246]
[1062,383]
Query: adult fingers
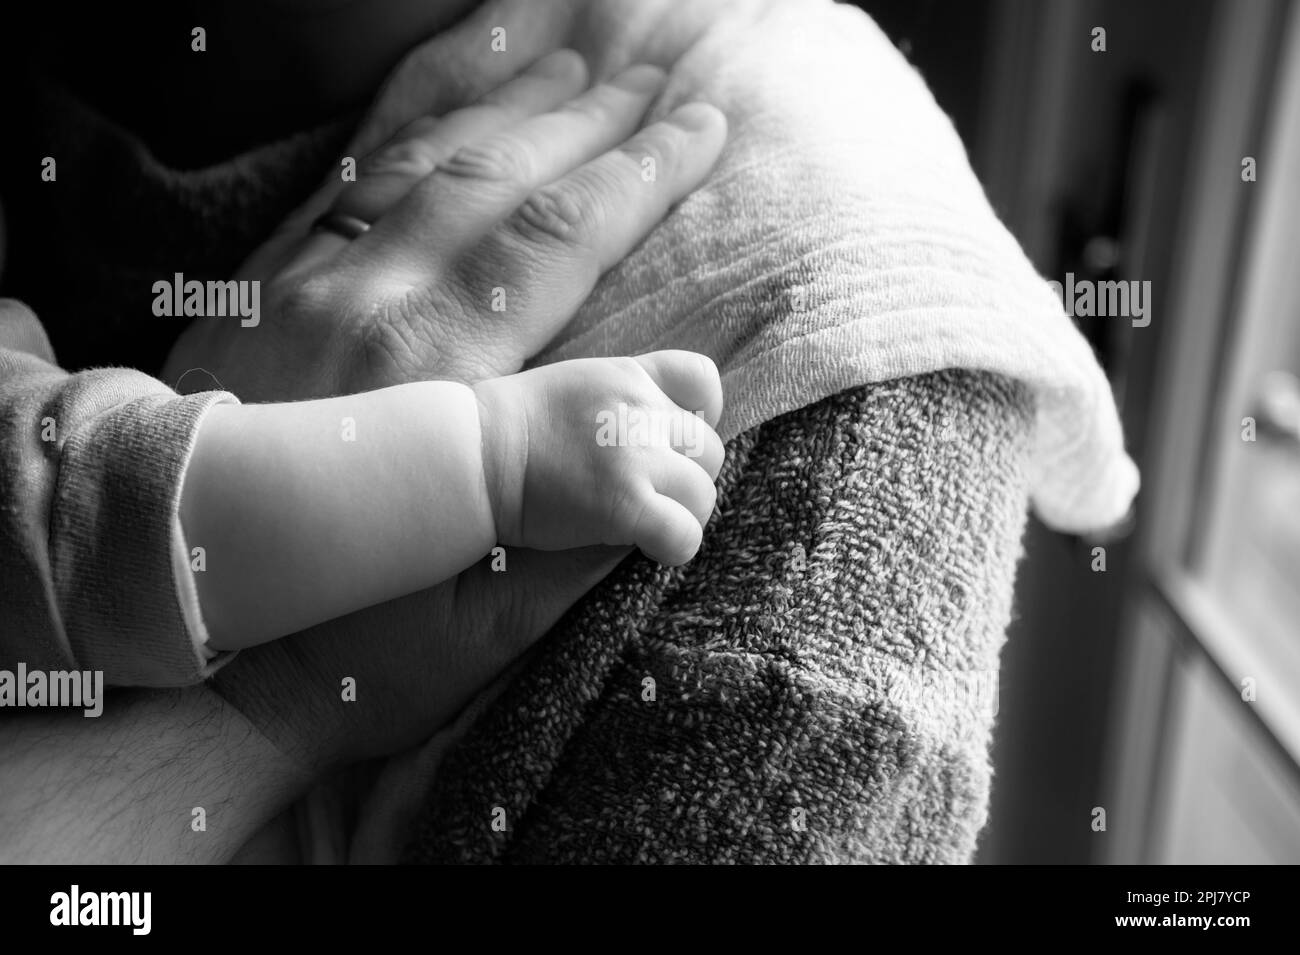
[453,67]
[391,171]
[549,254]
[486,179]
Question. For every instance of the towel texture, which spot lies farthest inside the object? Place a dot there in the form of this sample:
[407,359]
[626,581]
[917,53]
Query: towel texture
[842,239]
[832,649]
[818,685]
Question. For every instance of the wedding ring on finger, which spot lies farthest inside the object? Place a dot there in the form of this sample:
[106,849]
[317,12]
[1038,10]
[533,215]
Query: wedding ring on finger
[349,227]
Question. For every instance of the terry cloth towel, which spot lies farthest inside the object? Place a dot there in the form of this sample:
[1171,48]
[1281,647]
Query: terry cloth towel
[863,553]
[818,685]
[842,239]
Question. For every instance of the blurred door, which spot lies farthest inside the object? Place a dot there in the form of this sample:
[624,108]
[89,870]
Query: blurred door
[1205,740]
[1087,110]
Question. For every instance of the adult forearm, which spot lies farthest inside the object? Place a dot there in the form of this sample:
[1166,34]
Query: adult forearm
[161,777]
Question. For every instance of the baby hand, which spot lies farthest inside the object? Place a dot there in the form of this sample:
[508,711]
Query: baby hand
[605,451]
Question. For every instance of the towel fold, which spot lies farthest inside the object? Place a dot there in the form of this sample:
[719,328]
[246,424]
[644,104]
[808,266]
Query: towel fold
[842,239]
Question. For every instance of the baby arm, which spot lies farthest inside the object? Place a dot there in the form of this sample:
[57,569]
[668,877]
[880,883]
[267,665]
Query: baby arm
[311,510]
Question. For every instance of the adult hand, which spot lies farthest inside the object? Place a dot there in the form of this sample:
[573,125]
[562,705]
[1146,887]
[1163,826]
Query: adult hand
[489,227]
[535,190]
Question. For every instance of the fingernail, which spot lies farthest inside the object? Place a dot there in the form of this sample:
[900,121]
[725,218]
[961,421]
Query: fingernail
[642,78]
[694,116]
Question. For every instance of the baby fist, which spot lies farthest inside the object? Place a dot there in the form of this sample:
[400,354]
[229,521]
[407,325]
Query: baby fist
[610,451]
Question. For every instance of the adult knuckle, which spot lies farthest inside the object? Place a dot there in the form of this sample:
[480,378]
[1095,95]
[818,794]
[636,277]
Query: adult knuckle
[307,300]
[494,263]
[491,160]
[412,157]
[561,214]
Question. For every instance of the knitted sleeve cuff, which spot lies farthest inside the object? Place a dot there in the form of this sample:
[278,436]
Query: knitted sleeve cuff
[184,566]
[122,569]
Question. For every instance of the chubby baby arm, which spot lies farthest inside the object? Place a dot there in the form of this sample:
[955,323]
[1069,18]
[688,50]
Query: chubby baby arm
[311,510]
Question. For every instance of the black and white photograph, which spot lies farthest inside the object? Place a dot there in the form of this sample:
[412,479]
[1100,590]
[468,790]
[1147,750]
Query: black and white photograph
[619,432]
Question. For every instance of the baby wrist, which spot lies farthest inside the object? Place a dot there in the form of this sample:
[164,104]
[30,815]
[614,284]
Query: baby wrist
[504,442]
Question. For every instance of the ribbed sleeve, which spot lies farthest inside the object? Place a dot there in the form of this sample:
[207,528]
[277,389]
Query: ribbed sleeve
[91,466]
